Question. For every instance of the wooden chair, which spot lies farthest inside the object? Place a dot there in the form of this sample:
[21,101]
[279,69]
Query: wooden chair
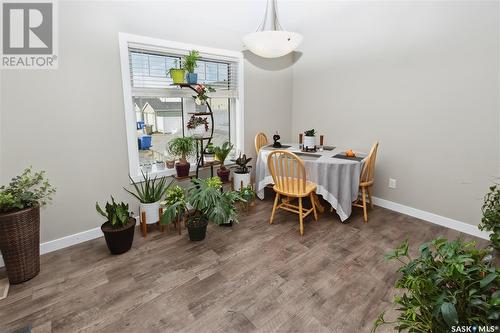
[260,141]
[366,181]
[289,176]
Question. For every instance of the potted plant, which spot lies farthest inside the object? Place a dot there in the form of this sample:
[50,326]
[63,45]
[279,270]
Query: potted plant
[208,203]
[310,139]
[491,215]
[189,64]
[248,195]
[20,203]
[201,96]
[198,126]
[149,192]
[241,176]
[209,153]
[451,283]
[160,165]
[221,153]
[177,74]
[182,147]
[119,227]
[170,162]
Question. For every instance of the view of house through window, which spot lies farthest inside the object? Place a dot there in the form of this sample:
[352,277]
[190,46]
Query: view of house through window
[163,110]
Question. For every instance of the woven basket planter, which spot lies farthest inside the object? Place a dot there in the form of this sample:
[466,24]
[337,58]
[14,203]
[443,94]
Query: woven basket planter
[20,243]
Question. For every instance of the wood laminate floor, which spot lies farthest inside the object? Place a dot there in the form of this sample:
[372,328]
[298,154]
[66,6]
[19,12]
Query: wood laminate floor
[252,277]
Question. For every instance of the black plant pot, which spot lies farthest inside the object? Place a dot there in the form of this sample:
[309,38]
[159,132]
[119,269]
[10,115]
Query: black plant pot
[230,224]
[223,174]
[119,240]
[182,169]
[197,228]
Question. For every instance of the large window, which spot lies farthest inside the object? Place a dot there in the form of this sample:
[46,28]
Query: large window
[157,111]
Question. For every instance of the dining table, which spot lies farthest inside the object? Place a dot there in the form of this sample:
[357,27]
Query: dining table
[336,175]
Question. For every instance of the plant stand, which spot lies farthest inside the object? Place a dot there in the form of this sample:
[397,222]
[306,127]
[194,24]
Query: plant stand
[144,225]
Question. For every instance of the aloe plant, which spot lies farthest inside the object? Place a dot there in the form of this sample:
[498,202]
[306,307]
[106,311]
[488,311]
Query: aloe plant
[116,213]
[150,190]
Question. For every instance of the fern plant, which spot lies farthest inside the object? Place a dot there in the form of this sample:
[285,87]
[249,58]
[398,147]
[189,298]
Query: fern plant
[149,190]
[189,61]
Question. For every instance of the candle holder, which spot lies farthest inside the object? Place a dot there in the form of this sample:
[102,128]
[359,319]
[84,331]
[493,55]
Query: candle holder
[321,140]
[301,137]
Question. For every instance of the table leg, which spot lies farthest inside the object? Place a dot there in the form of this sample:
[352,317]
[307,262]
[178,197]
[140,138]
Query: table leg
[316,202]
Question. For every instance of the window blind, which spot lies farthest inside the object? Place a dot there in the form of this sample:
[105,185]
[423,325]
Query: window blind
[149,71]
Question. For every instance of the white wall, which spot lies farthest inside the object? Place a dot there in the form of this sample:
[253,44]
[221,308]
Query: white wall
[420,77]
[70,121]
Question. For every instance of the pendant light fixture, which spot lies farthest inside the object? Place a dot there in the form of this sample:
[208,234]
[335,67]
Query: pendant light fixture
[270,40]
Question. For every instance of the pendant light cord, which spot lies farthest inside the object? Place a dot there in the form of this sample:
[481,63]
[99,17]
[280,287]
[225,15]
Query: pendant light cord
[275,25]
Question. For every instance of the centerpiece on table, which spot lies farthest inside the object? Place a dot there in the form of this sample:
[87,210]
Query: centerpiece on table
[310,139]
[208,203]
[189,64]
[198,126]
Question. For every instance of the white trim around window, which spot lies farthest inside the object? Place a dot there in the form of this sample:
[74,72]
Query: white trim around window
[127,41]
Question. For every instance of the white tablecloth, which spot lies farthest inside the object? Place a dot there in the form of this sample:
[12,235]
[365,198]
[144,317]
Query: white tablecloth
[337,179]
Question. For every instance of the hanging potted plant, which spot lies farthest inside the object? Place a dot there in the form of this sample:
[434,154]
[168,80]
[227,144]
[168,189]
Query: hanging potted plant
[177,74]
[310,139]
[198,126]
[201,96]
[208,203]
[189,64]
[20,203]
[149,192]
[241,176]
[221,154]
[182,147]
[119,227]
[209,153]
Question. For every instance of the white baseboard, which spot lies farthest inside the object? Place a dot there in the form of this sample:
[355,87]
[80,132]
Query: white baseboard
[433,218]
[66,241]
[473,230]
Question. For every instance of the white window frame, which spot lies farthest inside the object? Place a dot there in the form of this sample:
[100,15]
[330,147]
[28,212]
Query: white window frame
[149,43]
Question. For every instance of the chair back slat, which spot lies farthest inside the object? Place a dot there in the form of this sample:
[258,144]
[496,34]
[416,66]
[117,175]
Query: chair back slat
[288,171]
[368,172]
[260,141]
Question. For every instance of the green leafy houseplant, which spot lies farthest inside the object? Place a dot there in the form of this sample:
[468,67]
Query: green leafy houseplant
[116,214]
[450,283]
[29,189]
[182,147]
[311,132]
[149,190]
[189,61]
[491,215]
[119,227]
[20,203]
[221,152]
[208,203]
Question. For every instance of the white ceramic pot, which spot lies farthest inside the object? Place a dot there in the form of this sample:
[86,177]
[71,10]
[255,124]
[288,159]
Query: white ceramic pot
[152,211]
[209,157]
[239,179]
[309,142]
[199,131]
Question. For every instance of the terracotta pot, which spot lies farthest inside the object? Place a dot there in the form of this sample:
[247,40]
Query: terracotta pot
[182,169]
[119,240]
[223,174]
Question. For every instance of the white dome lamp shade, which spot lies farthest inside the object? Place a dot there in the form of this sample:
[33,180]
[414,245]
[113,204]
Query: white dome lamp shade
[270,40]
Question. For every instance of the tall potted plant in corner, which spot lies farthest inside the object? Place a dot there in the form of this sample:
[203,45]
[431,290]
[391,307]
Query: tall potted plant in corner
[20,203]
[149,192]
[221,153]
[119,227]
[491,215]
[208,203]
[177,74]
[182,147]
[310,139]
[189,64]
[241,176]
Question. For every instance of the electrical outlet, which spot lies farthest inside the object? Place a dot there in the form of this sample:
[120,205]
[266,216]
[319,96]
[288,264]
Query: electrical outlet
[392,183]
